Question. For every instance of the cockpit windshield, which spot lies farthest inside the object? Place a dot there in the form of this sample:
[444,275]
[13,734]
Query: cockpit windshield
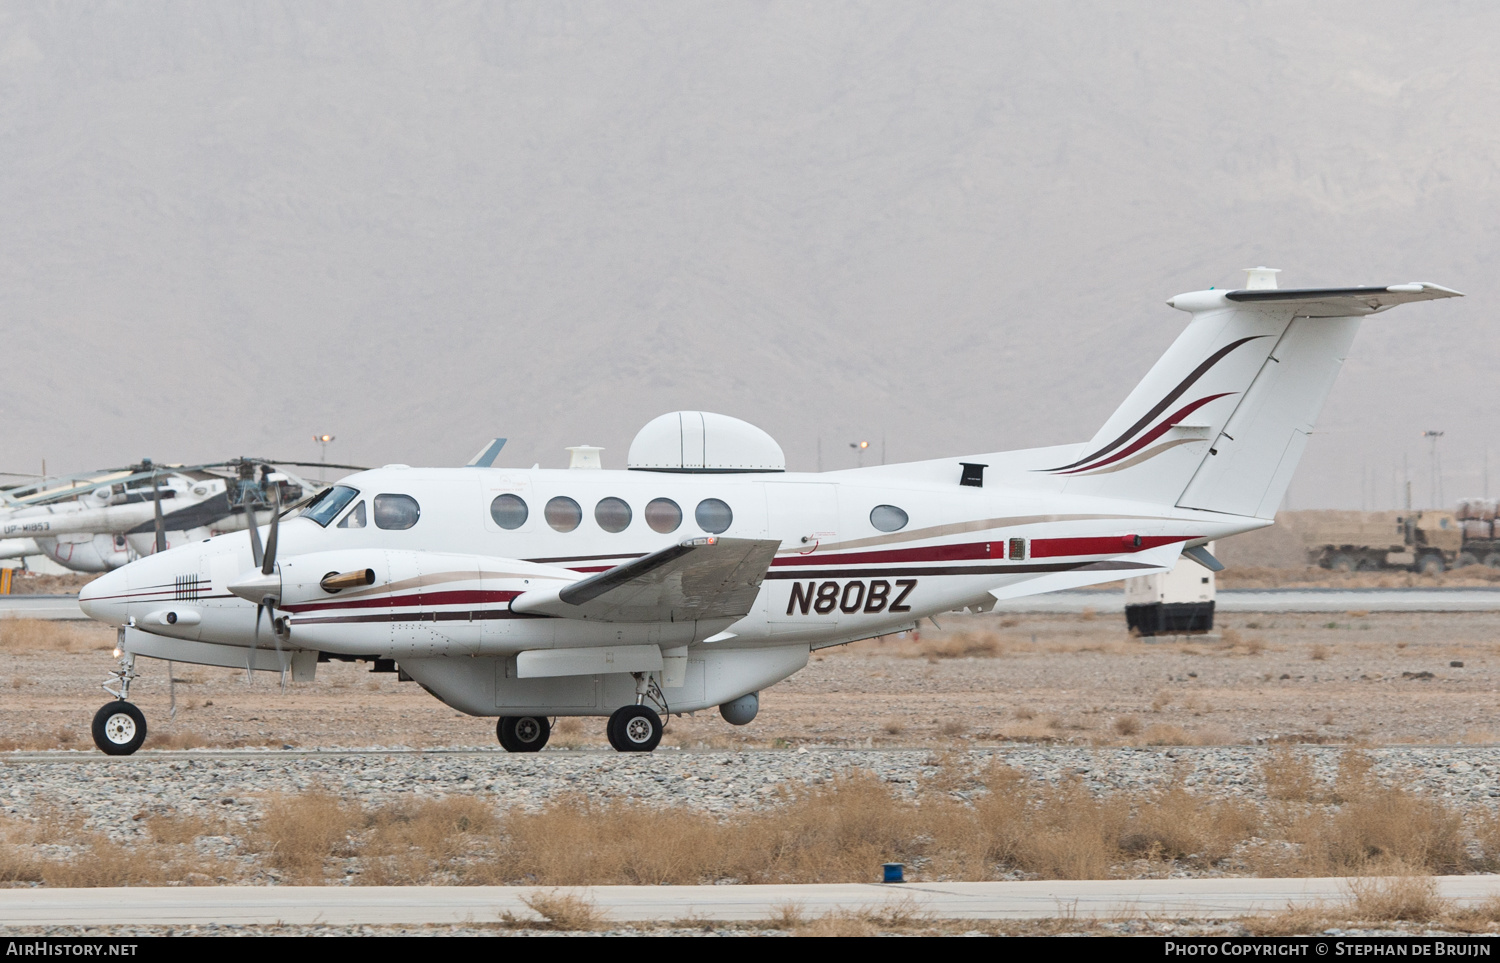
[326,505]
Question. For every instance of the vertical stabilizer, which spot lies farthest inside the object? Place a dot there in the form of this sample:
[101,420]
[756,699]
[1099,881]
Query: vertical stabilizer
[1220,422]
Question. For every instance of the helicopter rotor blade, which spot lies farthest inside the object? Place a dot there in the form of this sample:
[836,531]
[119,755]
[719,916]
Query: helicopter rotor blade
[161,525]
[256,552]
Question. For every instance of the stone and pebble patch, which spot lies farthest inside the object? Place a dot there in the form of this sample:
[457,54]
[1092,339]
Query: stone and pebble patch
[116,795]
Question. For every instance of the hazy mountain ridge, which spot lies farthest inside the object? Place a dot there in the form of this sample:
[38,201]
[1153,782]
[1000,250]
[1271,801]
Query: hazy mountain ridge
[420,226]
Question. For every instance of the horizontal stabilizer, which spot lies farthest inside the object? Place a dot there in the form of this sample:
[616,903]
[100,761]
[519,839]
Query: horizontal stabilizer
[703,578]
[1343,302]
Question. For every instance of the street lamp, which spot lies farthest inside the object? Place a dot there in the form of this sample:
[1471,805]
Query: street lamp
[859,447]
[323,441]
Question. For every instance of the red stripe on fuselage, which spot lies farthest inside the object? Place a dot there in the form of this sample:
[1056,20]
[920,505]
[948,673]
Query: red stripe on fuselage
[1109,545]
[393,601]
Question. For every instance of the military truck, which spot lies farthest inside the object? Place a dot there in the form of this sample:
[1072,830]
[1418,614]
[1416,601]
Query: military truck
[1421,541]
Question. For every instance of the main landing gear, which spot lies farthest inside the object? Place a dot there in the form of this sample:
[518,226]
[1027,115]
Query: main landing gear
[634,729]
[523,733]
[119,727]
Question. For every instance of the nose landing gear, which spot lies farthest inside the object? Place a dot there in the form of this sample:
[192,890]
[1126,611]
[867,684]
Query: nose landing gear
[119,727]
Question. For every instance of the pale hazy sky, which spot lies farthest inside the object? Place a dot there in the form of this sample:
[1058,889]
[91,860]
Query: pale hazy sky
[227,226]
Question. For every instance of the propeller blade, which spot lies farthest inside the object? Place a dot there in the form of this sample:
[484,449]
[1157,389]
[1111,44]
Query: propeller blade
[269,565]
[256,552]
[161,525]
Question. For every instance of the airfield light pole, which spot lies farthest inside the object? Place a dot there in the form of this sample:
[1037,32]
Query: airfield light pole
[1435,467]
[859,447]
[323,441]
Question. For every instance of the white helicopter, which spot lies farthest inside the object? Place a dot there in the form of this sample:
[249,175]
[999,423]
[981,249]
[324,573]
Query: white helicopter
[706,573]
[101,520]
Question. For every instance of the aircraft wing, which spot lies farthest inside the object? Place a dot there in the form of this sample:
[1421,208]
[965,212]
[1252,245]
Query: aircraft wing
[702,578]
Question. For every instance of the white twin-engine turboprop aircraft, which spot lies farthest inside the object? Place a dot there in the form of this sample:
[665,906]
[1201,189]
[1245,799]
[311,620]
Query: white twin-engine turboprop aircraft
[706,572]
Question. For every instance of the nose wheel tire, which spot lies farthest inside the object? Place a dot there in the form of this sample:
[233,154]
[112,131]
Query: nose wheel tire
[634,729]
[523,733]
[119,728]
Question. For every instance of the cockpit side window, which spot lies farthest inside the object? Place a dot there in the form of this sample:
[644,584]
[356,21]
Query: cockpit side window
[356,517]
[396,512]
[327,504]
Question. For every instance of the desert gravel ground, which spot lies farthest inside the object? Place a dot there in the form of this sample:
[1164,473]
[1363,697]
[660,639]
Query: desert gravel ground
[1378,678]
[1056,696]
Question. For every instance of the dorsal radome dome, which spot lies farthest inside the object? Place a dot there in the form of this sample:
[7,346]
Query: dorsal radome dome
[701,441]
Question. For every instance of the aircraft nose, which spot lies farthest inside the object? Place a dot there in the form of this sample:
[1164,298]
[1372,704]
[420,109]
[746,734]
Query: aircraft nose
[106,597]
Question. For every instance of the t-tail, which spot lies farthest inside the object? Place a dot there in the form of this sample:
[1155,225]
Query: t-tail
[1221,421]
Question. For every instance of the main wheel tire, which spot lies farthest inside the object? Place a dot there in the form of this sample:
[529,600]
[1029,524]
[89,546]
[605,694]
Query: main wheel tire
[1430,564]
[119,728]
[523,733]
[1492,560]
[1464,560]
[1341,562]
[634,729]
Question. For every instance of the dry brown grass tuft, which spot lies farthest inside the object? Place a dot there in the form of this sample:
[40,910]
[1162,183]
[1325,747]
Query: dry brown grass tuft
[300,833]
[177,830]
[959,645]
[1127,725]
[1162,734]
[1319,653]
[1381,828]
[1176,824]
[1293,921]
[560,911]
[44,635]
[1398,897]
[410,843]
[1289,776]
[175,739]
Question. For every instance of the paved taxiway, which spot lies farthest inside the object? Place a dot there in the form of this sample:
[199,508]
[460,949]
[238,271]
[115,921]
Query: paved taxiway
[1284,600]
[416,905]
[65,607]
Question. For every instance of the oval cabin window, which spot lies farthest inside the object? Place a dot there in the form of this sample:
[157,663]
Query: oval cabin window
[888,518]
[396,512]
[563,514]
[713,516]
[612,514]
[509,511]
[663,515]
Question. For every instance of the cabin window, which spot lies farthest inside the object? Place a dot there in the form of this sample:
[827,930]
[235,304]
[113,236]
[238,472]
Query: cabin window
[356,517]
[663,515]
[326,506]
[713,516]
[509,511]
[563,514]
[612,514]
[396,512]
[888,518]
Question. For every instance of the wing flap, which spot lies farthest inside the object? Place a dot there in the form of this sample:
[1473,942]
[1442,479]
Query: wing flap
[700,579]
